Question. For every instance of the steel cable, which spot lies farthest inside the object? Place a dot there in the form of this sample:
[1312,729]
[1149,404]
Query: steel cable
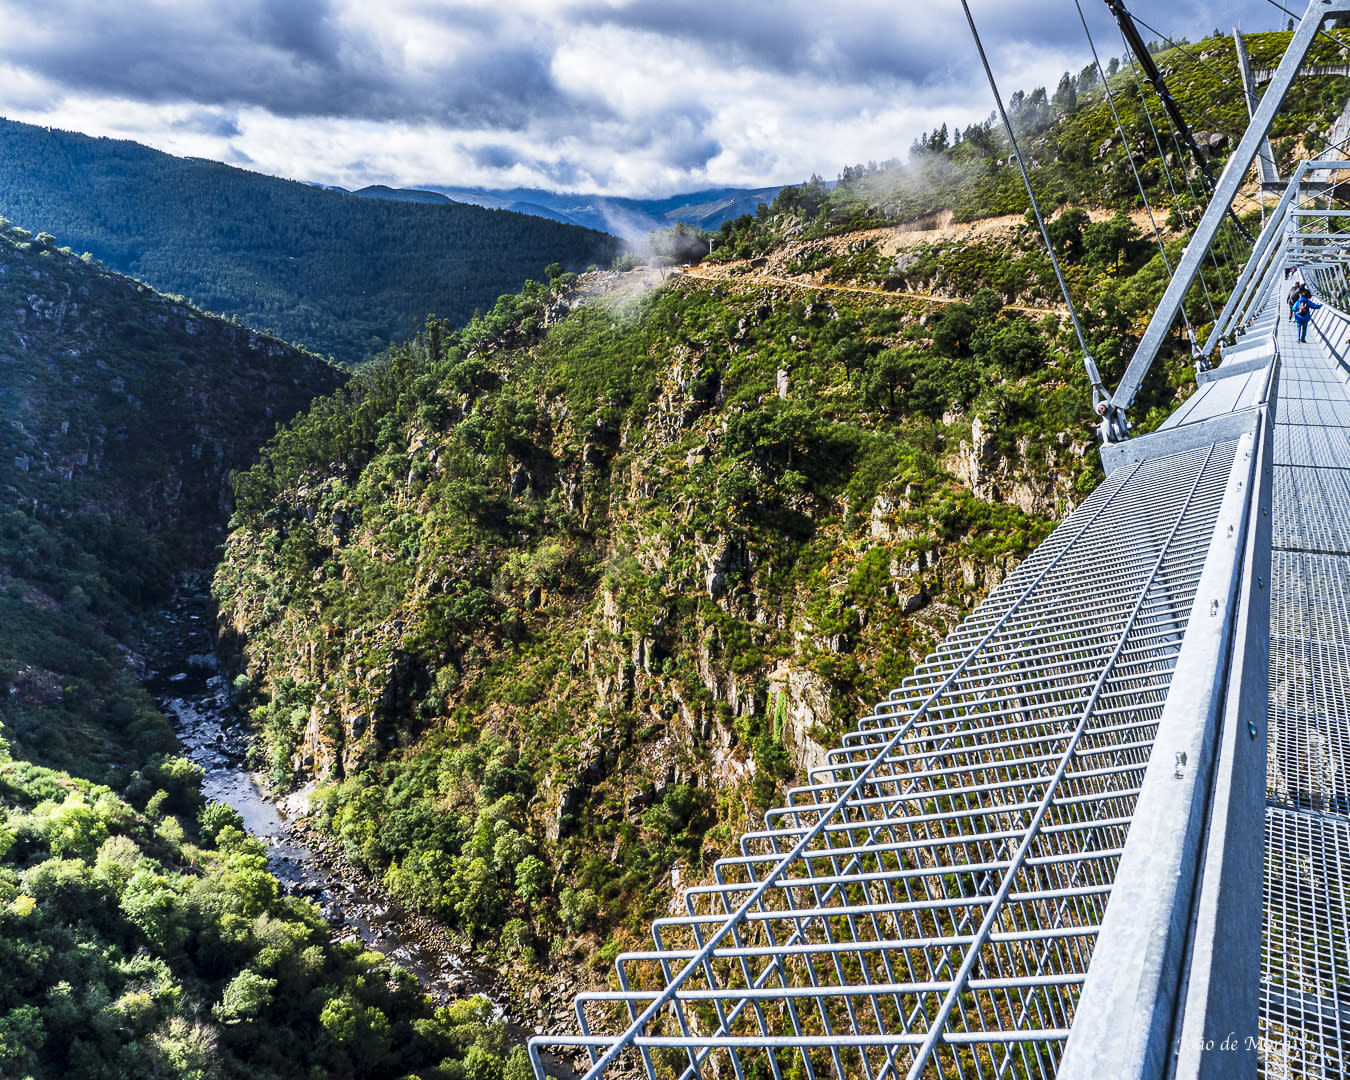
[1098,390]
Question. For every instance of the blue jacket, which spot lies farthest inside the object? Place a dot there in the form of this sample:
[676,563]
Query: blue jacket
[1301,315]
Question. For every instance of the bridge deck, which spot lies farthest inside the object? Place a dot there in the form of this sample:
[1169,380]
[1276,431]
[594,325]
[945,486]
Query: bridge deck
[1305,985]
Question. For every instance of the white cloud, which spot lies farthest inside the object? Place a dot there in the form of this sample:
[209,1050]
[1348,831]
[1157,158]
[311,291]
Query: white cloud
[640,97]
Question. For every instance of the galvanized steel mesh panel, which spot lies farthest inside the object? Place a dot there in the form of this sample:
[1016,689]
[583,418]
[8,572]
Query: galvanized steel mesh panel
[1304,387]
[1308,763]
[1315,412]
[1303,379]
[1222,396]
[928,903]
[1305,988]
[1312,596]
[1312,448]
[1312,510]
[1305,954]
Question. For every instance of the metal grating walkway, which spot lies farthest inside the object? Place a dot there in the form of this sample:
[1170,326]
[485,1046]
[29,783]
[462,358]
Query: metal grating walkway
[1305,978]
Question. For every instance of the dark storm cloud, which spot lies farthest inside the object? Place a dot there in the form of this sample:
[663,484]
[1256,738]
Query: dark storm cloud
[222,54]
[859,44]
[849,47]
[679,137]
[309,58]
[496,86]
[294,58]
[649,95]
[567,172]
[494,156]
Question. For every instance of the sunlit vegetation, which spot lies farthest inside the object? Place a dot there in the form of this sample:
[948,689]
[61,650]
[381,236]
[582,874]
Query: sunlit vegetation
[142,935]
[468,509]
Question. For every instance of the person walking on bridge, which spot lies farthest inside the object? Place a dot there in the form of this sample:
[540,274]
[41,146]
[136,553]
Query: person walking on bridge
[1292,298]
[1304,306]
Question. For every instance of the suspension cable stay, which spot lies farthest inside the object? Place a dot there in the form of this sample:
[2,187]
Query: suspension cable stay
[1114,426]
[1154,76]
[1120,130]
[1099,395]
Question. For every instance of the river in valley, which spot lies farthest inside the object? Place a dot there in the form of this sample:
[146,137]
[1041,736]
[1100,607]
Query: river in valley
[185,679]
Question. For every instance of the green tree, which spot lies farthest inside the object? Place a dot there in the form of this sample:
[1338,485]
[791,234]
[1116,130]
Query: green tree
[476,889]
[77,829]
[359,1029]
[882,375]
[247,994]
[1066,232]
[1105,242]
[21,1036]
[953,328]
[577,908]
[532,877]
[1066,94]
[151,905]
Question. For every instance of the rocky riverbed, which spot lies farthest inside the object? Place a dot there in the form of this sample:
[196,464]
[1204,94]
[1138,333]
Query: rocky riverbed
[186,682]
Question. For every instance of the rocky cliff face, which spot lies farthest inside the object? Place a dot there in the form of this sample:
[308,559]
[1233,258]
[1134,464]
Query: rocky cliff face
[119,401]
[578,592]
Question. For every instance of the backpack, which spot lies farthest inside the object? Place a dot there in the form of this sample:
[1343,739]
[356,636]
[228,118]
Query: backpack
[1304,308]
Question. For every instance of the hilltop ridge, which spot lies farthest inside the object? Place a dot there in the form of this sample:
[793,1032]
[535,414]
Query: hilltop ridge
[341,274]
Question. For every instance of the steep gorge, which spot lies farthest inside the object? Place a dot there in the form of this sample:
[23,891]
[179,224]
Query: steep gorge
[141,933]
[548,608]
[539,612]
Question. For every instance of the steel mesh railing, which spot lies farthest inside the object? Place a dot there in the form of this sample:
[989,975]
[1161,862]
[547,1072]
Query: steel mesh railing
[928,902]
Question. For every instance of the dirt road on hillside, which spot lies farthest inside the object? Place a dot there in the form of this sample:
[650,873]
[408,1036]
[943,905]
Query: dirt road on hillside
[728,272]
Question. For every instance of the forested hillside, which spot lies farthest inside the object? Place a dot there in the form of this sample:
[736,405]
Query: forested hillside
[553,605]
[547,605]
[341,274]
[141,934]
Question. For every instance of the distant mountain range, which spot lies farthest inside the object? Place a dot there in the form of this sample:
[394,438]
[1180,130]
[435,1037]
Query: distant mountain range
[630,219]
[344,275]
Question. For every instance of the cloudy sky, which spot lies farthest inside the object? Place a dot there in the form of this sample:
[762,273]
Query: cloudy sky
[624,97]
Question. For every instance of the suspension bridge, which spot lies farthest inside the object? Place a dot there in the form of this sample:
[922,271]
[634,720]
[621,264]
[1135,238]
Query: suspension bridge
[1104,829]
